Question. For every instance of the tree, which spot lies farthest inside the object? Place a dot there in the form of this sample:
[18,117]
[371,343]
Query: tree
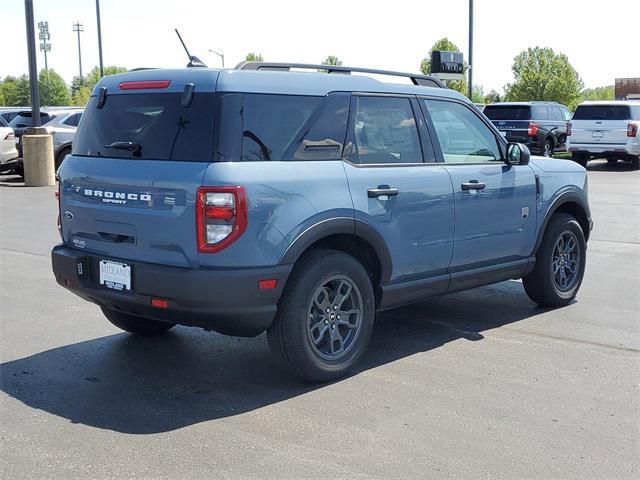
[93,76]
[22,96]
[599,93]
[492,97]
[542,74]
[81,96]
[8,90]
[53,89]
[477,94]
[332,60]
[254,57]
[444,44]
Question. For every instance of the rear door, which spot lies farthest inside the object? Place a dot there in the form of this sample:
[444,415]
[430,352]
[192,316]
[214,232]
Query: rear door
[128,189]
[600,124]
[397,188]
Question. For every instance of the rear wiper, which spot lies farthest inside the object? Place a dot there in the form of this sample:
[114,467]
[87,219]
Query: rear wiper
[129,146]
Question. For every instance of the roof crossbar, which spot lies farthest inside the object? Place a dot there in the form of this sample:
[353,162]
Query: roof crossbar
[417,79]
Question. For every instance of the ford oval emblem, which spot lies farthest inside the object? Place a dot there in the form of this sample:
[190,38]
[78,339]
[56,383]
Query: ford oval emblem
[68,216]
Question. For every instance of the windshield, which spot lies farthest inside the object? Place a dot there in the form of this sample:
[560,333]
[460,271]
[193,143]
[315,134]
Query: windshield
[602,112]
[149,126]
[507,112]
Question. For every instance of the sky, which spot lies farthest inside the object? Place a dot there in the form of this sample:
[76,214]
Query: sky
[599,37]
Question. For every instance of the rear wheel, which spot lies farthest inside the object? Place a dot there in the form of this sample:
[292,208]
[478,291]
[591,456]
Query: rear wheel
[136,325]
[325,317]
[579,158]
[560,263]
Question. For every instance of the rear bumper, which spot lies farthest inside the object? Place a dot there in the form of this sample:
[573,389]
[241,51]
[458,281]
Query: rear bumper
[606,150]
[227,301]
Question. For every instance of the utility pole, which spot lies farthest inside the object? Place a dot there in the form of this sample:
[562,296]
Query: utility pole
[77,27]
[44,37]
[33,66]
[99,38]
[221,55]
[470,49]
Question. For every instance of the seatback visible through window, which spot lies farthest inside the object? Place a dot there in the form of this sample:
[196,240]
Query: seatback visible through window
[463,137]
[384,131]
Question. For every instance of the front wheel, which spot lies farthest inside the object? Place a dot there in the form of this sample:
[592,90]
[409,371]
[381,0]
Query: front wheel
[325,317]
[560,263]
[136,325]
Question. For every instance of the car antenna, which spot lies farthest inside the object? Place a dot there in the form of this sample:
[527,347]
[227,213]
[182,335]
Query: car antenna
[193,60]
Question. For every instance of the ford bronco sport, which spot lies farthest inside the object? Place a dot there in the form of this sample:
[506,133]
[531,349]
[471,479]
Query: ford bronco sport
[301,203]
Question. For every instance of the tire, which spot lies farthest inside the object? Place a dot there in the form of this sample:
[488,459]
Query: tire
[547,149]
[541,285]
[581,159]
[61,156]
[302,335]
[136,325]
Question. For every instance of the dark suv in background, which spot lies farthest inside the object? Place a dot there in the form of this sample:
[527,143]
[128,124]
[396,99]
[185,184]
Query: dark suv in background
[541,126]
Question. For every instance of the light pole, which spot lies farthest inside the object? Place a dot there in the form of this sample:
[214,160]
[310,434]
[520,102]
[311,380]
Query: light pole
[221,55]
[33,67]
[44,37]
[77,27]
[99,38]
[470,49]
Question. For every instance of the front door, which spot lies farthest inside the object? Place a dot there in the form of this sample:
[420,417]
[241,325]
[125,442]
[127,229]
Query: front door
[495,204]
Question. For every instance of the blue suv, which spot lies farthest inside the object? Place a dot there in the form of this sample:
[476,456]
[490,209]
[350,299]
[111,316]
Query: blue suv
[302,203]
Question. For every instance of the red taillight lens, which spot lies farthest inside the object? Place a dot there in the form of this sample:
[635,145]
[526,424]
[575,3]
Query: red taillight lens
[568,129]
[632,130]
[143,85]
[221,217]
[533,129]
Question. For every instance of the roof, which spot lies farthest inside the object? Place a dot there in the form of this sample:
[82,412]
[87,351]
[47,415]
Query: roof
[526,104]
[275,82]
[611,102]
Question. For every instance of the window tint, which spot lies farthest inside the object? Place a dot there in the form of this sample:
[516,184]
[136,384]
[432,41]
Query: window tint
[539,112]
[72,120]
[3,122]
[507,112]
[602,112]
[462,135]
[23,119]
[385,131]
[273,123]
[157,122]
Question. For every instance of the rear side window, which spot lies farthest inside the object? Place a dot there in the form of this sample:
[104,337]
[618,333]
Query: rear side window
[635,112]
[385,131]
[156,126]
[602,112]
[72,120]
[507,112]
[540,112]
[273,123]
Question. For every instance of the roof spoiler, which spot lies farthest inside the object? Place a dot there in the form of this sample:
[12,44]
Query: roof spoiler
[417,79]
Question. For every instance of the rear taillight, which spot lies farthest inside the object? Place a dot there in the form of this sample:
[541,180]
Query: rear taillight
[632,130]
[221,217]
[568,129]
[533,129]
[10,136]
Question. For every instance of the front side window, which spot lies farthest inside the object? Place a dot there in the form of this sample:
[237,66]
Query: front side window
[385,131]
[463,137]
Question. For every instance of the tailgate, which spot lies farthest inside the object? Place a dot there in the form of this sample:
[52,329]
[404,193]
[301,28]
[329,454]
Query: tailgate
[513,130]
[600,124]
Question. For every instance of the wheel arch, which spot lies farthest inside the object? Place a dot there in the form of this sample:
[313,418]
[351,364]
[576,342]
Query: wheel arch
[572,204]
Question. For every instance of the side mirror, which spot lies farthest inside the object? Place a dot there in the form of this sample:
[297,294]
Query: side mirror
[517,154]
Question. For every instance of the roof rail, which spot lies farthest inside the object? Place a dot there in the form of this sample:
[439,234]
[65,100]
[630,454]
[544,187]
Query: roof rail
[417,79]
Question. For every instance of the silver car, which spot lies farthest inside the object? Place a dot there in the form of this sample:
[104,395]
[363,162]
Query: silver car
[63,129]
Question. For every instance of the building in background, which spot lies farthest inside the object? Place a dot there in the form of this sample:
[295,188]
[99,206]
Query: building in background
[628,88]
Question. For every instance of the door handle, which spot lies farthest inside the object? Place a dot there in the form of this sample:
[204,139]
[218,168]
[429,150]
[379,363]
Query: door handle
[382,191]
[473,185]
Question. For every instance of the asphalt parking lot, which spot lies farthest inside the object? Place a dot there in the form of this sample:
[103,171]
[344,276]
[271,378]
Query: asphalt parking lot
[479,384]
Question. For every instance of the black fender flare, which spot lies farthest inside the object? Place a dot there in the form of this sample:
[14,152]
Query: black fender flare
[562,199]
[335,226]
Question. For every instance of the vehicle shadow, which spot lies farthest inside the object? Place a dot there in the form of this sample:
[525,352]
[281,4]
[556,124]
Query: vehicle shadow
[604,166]
[140,386]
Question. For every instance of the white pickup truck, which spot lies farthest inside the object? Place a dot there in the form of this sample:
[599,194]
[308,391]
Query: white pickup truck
[606,129]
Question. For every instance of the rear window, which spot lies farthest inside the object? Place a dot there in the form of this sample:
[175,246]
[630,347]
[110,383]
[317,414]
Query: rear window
[23,119]
[157,126]
[602,112]
[507,112]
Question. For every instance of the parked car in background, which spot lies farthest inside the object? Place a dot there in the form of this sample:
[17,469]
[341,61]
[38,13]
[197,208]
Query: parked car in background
[8,113]
[24,120]
[8,150]
[541,126]
[63,129]
[605,129]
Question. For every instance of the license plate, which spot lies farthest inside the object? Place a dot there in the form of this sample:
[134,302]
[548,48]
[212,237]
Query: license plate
[597,134]
[115,275]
